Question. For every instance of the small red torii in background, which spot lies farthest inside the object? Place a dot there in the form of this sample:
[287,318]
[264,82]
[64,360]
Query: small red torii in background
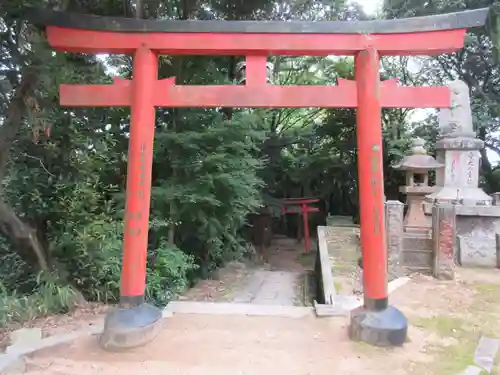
[305,209]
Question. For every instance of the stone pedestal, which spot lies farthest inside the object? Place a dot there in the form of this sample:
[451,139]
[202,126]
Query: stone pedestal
[130,327]
[387,327]
[415,219]
[459,180]
[476,229]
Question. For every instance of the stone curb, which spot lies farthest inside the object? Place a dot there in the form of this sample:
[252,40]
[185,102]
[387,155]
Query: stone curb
[15,353]
[327,280]
[345,304]
[223,308]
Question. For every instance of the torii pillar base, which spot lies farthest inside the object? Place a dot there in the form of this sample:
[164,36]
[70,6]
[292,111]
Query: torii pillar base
[386,328]
[131,327]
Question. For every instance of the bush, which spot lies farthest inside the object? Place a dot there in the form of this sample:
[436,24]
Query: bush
[95,269]
[48,297]
[168,274]
[96,262]
[92,254]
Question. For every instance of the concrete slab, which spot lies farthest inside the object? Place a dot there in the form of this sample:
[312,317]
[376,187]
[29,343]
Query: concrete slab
[486,352]
[471,370]
[12,365]
[343,304]
[222,308]
[25,335]
[270,288]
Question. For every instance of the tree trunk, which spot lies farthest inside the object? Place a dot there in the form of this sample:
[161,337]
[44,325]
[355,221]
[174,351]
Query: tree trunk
[22,238]
[20,235]
[171,228]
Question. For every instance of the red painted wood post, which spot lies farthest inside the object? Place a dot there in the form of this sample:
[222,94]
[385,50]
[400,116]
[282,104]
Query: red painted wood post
[256,70]
[138,193]
[305,214]
[371,179]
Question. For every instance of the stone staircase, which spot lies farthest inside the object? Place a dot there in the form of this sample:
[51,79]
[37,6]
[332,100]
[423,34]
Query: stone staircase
[418,252]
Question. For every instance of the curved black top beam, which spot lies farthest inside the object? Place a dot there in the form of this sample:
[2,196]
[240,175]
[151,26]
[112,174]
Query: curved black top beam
[460,20]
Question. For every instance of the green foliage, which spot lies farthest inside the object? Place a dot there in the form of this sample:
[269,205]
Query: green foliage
[66,174]
[208,183]
[168,273]
[48,296]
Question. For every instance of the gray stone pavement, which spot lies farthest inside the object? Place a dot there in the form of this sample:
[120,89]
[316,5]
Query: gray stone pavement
[271,288]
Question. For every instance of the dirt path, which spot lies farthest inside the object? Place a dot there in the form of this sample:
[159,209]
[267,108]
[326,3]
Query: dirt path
[446,320]
[278,280]
[206,345]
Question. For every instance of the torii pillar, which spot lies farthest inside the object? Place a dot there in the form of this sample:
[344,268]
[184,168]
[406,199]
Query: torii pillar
[134,322]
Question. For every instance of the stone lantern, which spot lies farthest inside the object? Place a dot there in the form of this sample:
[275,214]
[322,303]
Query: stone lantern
[417,166]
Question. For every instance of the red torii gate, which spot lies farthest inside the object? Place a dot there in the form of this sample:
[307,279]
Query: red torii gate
[304,209]
[136,322]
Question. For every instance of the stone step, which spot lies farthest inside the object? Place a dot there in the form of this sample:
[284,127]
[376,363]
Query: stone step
[270,288]
[340,236]
[422,270]
[224,308]
[417,258]
[417,243]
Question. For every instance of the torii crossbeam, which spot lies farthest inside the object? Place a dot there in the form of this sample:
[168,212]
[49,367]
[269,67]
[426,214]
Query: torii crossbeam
[136,322]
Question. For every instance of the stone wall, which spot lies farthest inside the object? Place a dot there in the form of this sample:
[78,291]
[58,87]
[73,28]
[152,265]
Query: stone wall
[464,235]
[476,241]
[417,252]
[461,234]
[407,252]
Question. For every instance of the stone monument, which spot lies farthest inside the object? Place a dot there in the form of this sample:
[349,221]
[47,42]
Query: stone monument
[417,166]
[477,217]
[458,149]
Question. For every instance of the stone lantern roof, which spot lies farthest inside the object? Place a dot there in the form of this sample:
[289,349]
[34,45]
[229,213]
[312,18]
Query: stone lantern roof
[418,160]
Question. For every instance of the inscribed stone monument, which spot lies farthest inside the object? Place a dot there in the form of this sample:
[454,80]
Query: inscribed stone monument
[477,219]
[458,149]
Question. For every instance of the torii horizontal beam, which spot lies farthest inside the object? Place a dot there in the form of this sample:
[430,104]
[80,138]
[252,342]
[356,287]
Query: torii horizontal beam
[408,36]
[85,41]
[167,94]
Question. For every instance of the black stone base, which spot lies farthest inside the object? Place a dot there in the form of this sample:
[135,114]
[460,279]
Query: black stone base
[127,328]
[387,327]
